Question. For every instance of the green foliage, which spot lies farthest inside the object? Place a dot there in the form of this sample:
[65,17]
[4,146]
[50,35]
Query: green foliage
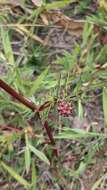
[27,154]
[83,6]
[58,4]
[80,110]
[36,84]
[105,105]
[39,154]
[7,46]
[83,71]
[15,175]
[102,55]
[77,134]
[69,60]
[100,19]
[34,176]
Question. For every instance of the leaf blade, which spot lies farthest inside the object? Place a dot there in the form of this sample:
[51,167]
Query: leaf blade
[105,105]
[21,180]
[36,84]
[7,46]
[27,155]
[39,154]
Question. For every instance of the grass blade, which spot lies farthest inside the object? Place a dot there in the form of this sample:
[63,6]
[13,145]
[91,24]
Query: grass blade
[58,4]
[33,176]
[27,154]
[80,110]
[77,134]
[29,34]
[105,105]
[21,180]
[39,154]
[7,46]
[27,159]
[36,84]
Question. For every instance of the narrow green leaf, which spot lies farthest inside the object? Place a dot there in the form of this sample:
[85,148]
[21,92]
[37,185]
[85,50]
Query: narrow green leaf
[7,46]
[80,110]
[81,131]
[36,84]
[86,33]
[105,105]
[20,179]
[80,170]
[77,134]
[58,4]
[33,176]
[27,159]
[39,154]
[27,154]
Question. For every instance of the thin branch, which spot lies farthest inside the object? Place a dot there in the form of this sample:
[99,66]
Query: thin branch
[49,132]
[32,106]
[18,96]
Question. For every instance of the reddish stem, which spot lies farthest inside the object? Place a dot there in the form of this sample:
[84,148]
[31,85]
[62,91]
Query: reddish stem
[44,106]
[18,96]
[30,105]
[12,128]
[48,130]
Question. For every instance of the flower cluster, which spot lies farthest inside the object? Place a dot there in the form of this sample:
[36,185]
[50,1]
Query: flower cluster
[64,108]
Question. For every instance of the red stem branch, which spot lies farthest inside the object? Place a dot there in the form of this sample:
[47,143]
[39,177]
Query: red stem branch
[28,104]
[48,130]
[18,96]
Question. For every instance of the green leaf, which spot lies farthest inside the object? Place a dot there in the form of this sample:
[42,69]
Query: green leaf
[27,159]
[20,179]
[80,110]
[69,60]
[36,84]
[80,170]
[58,4]
[77,134]
[34,177]
[7,46]
[39,154]
[27,154]
[105,105]
[102,55]
[86,33]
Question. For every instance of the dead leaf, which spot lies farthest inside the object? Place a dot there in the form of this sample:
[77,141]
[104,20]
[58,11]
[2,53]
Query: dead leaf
[44,19]
[75,27]
[23,29]
[103,4]
[38,3]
